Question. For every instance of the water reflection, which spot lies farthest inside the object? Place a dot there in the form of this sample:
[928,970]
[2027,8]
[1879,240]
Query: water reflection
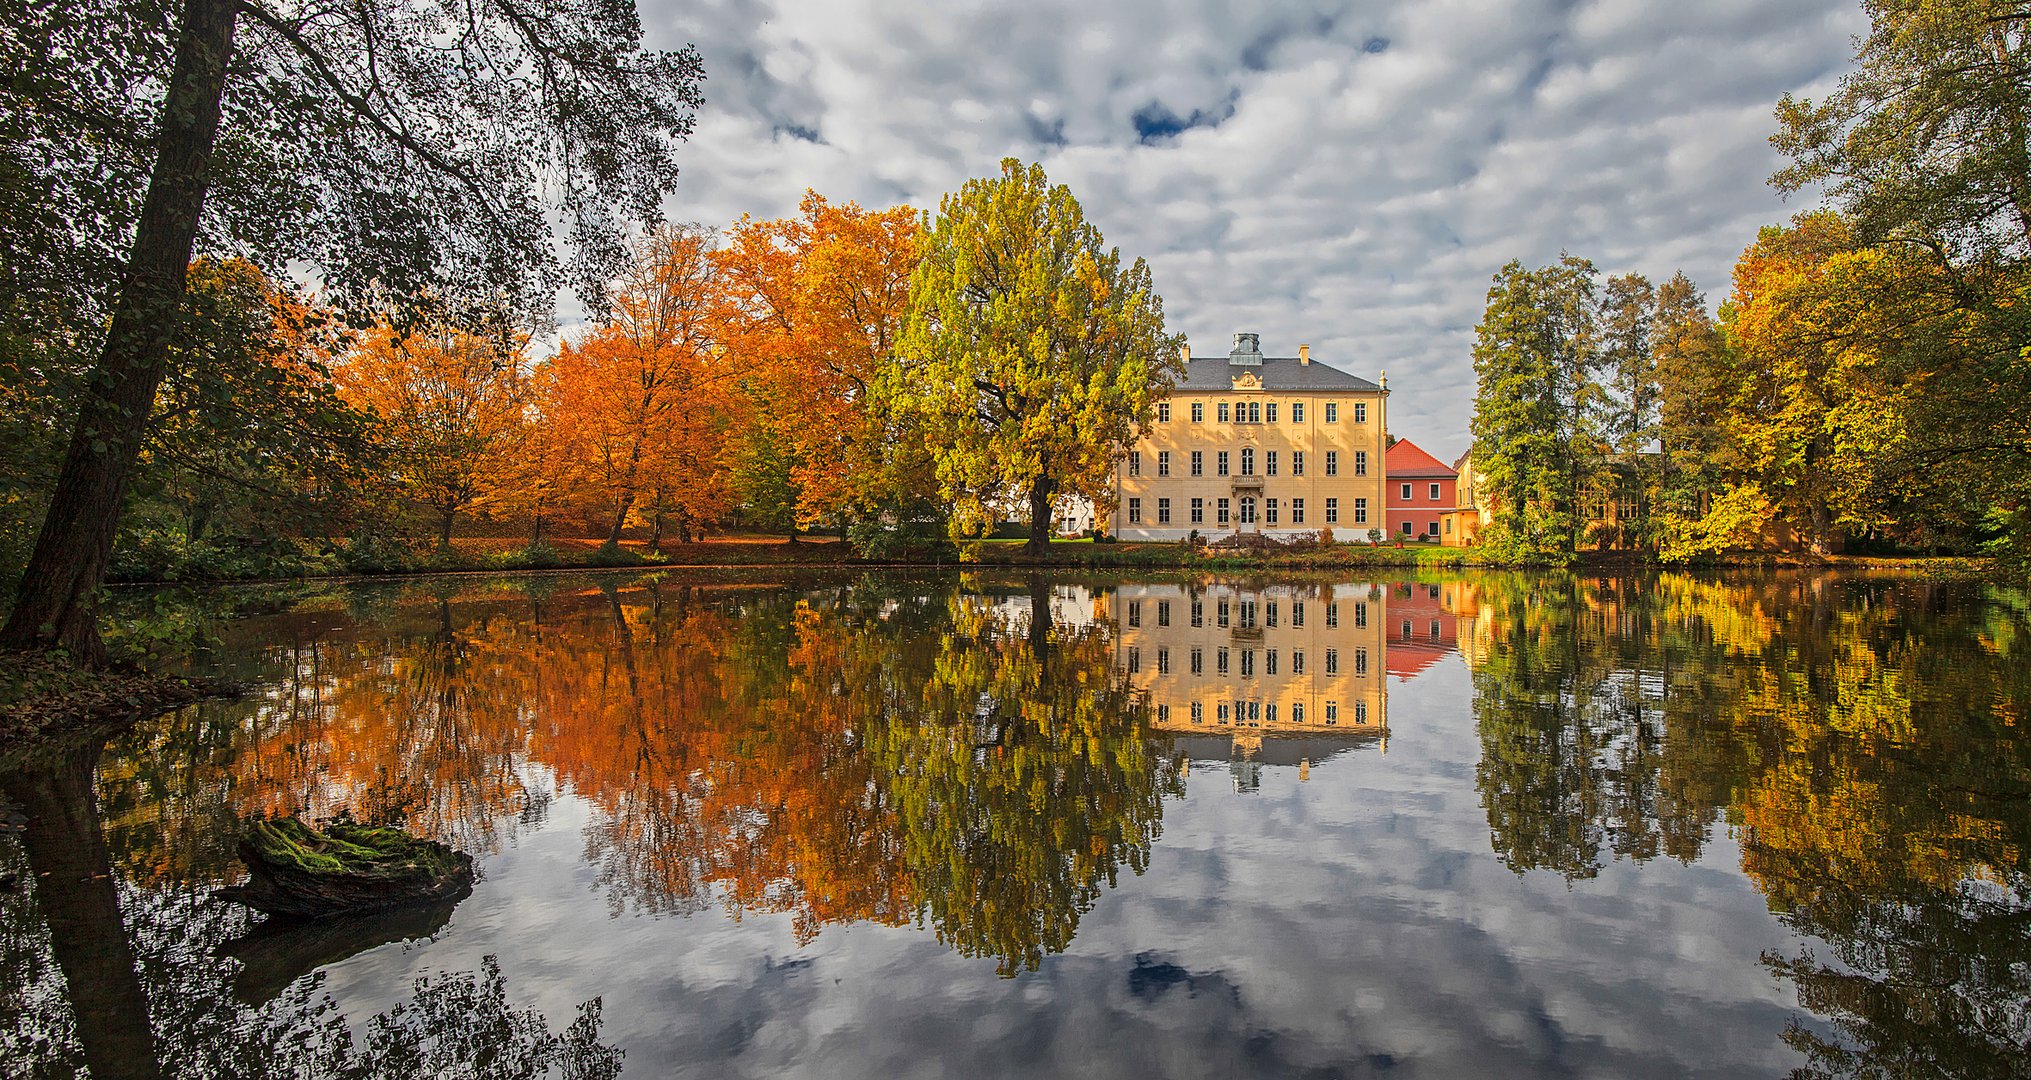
[983,758]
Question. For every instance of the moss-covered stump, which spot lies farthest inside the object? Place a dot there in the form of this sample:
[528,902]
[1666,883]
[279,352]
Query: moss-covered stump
[297,872]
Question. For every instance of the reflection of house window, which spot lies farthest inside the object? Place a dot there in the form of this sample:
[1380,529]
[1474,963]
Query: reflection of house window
[1248,663]
[1297,613]
[1248,614]
[1163,714]
[1406,629]
[1361,661]
[1198,661]
[1163,661]
[1135,613]
[1134,661]
[1360,712]
[1269,614]
[1333,614]
[1269,712]
[1332,661]
[1297,661]
[1222,713]
[1220,661]
[1220,614]
[1332,711]
[1269,662]
[1163,613]
[1297,712]
[1198,613]
[1198,712]
[1360,614]
[1435,629]
[1254,710]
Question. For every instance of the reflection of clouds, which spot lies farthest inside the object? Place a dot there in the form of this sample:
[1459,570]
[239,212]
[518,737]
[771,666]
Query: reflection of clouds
[1347,925]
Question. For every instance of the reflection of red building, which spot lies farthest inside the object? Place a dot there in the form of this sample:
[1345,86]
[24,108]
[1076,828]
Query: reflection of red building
[1420,630]
[1418,490]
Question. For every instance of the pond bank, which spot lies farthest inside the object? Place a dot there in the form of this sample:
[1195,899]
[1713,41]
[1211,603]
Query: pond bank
[44,697]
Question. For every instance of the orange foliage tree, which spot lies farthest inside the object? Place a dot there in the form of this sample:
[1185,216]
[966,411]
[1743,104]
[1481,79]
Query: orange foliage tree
[812,305]
[453,405]
[639,408]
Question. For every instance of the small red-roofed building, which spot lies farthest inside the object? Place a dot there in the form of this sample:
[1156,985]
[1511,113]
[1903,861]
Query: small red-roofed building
[1418,488]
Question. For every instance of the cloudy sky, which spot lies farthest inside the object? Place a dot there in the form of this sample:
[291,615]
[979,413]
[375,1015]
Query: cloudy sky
[1344,174]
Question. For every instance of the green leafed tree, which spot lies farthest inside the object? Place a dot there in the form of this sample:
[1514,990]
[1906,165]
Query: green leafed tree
[1538,407]
[1030,354]
[398,148]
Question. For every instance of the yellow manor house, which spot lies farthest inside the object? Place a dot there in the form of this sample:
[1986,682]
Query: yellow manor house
[1260,444]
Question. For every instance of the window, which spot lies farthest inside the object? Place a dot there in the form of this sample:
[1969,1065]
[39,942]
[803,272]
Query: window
[1220,511]
[1135,511]
[1433,491]
[1360,712]
[1332,712]
[1297,661]
[1135,613]
[1297,511]
[1163,412]
[1269,712]
[1403,492]
[1269,511]
[1360,511]
[1198,613]
[1361,661]
[1297,712]
[1297,463]
[1332,412]
[1406,528]
[1198,412]
[1361,463]
[1198,712]
[1248,461]
[1220,661]
[1298,609]
[1332,463]
[1164,662]
[1431,528]
[1255,710]
[1163,511]
[1220,462]
[1198,661]
[1248,509]
[1297,412]
[1163,714]
[1198,511]
[1255,412]
[1269,412]
[1332,613]
[1163,613]
[1198,463]
[1360,412]
[1449,526]
[1223,712]
[1134,463]
[1163,463]
[1332,661]
[1269,463]
[1223,412]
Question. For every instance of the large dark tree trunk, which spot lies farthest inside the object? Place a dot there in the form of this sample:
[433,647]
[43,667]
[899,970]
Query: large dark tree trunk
[80,901]
[58,600]
[444,528]
[1041,490]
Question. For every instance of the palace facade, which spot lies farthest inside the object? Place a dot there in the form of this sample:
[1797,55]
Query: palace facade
[1258,444]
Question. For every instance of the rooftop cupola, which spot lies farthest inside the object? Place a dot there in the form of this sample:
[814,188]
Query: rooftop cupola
[1247,351]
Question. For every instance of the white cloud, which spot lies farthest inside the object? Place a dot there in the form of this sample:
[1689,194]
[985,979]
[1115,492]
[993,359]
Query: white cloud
[1342,174]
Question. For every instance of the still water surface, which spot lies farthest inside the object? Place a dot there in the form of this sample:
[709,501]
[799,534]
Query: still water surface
[761,826]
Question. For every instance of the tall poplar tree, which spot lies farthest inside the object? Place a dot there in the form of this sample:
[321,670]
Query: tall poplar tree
[1030,354]
[1537,406]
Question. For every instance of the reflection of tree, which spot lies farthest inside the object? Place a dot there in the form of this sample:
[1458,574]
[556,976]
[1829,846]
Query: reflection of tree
[1867,739]
[141,989]
[859,754]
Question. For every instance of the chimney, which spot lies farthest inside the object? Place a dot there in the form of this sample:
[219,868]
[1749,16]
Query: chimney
[1185,351]
[1304,354]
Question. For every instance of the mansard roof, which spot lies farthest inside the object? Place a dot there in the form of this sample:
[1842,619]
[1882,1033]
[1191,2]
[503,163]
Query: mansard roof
[1214,374]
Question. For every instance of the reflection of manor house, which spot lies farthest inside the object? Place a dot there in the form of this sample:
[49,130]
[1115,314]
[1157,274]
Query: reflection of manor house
[1421,628]
[1254,663]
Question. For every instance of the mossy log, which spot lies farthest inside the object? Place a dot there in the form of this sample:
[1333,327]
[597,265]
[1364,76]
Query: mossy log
[295,871]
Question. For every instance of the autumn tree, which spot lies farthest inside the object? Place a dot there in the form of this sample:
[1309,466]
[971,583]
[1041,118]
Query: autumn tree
[396,148]
[453,407]
[812,310]
[641,404]
[1030,355]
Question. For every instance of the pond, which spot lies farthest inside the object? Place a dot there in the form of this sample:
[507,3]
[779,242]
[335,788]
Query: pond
[825,825]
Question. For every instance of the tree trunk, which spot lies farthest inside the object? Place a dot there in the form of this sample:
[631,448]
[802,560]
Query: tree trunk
[444,529]
[57,605]
[613,538]
[1041,490]
[80,901]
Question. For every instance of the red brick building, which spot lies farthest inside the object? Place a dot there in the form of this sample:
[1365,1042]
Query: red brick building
[1417,488]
